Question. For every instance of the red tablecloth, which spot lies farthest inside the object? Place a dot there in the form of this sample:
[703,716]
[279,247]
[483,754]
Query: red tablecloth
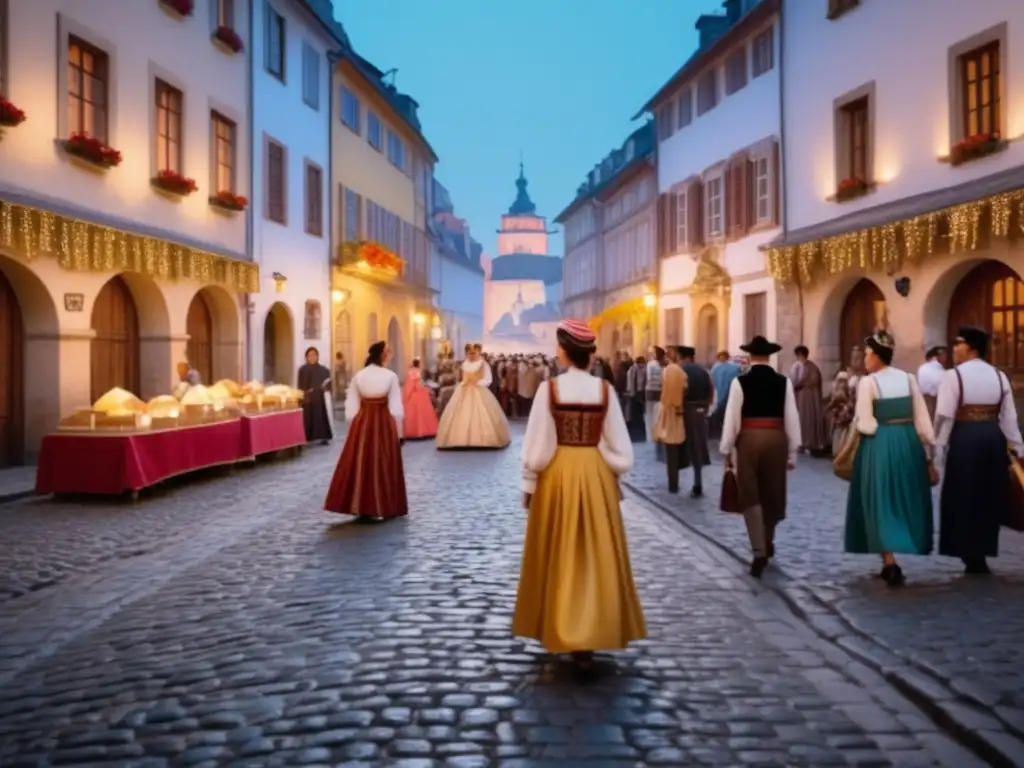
[110,464]
[268,432]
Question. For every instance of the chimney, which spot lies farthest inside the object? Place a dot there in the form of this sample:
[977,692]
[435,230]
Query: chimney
[733,10]
[711,27]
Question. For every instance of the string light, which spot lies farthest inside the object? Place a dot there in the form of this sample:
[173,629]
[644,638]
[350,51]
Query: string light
[887,245]
[81,246]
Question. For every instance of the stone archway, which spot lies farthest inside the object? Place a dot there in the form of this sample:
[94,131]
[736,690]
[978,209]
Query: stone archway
[29,341]
[707,334]
[395,343]
[278,345]
[214,344]
[991,297]
[864,312]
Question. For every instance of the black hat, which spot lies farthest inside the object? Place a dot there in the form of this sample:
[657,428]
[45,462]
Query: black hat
[759,346]
[975,338]
[686,351]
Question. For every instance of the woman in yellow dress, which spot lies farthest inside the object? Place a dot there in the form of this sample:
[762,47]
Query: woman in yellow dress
[576,591]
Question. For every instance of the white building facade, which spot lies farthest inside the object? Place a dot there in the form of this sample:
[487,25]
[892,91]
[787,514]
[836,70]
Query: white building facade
[904,202]
[581,243]
[123,178]
[718,124]
[291,213]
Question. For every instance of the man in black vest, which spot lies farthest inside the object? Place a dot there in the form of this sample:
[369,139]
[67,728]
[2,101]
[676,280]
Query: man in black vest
[762,426]
[700,394]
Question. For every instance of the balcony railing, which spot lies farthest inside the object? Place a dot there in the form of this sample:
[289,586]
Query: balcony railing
[373,260]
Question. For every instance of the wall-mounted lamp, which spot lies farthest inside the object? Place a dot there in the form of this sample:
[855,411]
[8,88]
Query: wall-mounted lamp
[650,300]
[339,297]
[279,281]
[419,318]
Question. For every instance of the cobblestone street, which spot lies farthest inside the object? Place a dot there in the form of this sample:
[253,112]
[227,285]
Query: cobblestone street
[228,621]
[952,638]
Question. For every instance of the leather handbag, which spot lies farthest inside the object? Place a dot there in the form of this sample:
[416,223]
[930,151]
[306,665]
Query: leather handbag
[842,464]
[1015,512]
[730,498]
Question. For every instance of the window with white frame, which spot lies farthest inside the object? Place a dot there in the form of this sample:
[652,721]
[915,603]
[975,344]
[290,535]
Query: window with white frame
[713,206]
[762,190]
[682,220]
[374,131]
[310,76]
[396,150]
[685,108]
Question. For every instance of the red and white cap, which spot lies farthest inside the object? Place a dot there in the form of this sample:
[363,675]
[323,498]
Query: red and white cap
[579,331]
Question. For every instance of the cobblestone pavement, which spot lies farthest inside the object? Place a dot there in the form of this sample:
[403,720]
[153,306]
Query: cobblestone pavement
[228,622]
[963,631]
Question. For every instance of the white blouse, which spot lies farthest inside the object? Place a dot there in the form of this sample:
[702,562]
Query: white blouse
[885,384]
[374,381]
[732,423]
[541,440]
[983,385]
[471,366]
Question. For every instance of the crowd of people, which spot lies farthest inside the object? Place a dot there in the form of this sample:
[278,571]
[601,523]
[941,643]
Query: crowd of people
[893,435]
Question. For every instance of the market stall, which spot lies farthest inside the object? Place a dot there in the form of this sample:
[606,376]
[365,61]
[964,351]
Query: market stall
[122,444]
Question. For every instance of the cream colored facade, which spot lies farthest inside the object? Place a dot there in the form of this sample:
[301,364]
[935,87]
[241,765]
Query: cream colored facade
[106,280]
[383,194]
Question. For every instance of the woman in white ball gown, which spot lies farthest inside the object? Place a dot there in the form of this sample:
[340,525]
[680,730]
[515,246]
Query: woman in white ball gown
[473,419]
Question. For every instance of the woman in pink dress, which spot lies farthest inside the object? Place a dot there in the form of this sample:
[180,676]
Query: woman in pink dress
[420,416]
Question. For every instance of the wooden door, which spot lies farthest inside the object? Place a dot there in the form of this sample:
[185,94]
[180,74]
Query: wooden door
[270,346]
[863,314]
[199,326]
[115,348]
[12,377]
[991,296]
[707,335]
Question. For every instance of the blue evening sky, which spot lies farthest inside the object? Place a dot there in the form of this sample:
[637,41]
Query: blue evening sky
[558,80]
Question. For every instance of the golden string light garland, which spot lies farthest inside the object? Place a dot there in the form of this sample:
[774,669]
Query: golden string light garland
[81,246]
[888,245]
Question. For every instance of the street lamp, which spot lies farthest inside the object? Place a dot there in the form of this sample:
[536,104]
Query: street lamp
[419,318]
[650,300]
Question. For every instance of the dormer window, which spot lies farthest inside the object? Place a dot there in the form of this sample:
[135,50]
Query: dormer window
[707,91]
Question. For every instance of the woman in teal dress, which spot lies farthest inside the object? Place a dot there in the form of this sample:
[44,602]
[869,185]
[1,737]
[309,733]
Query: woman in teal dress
[889,509]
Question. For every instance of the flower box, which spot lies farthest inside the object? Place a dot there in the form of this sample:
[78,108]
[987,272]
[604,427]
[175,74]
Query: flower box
[228,201]
[180,7]
[92,150]
[10,115]
[229,39]
[174,182]
[974,147]
[367,255]
[851,188]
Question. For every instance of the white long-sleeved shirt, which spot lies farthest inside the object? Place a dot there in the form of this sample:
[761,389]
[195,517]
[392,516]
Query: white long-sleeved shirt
[984,384]
[474,366]
[733,421]
[888,383]
[929,377]
[653,383]
[541,440]
[374,381]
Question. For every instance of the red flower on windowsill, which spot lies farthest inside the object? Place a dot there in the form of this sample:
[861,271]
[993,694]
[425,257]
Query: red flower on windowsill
[973,147]
[851,188]
[227,37]
[10,115]
[229,201]
[92,150]
[181,7]
[172,181]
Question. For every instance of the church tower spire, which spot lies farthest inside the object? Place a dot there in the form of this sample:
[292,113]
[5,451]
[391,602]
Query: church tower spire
[523,205]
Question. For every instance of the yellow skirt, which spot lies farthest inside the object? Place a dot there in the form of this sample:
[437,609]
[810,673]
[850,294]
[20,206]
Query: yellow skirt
[576,590]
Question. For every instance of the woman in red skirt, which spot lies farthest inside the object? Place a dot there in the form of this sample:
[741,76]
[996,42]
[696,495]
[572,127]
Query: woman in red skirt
[369,481]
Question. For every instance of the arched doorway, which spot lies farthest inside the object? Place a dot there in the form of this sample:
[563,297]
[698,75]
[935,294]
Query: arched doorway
[199,326]
[863,313]
[616,340]
[343,338]
[114,352]
[991,296]
[707,334]
[626,344]
[12,377]
[278,345]
[395,342]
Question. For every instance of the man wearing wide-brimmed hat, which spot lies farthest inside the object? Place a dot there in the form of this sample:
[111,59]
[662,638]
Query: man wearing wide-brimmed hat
[975,424]
[762,429]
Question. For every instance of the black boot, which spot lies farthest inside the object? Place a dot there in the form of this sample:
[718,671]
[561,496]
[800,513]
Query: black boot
[757,566]
[893,575]
[697,492]
[976,566]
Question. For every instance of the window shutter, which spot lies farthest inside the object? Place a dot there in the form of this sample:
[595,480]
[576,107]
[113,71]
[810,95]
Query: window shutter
[695,207]
[750,194]
[672,225]
[776,184]
[728,202]
[741,218]
[662,214]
